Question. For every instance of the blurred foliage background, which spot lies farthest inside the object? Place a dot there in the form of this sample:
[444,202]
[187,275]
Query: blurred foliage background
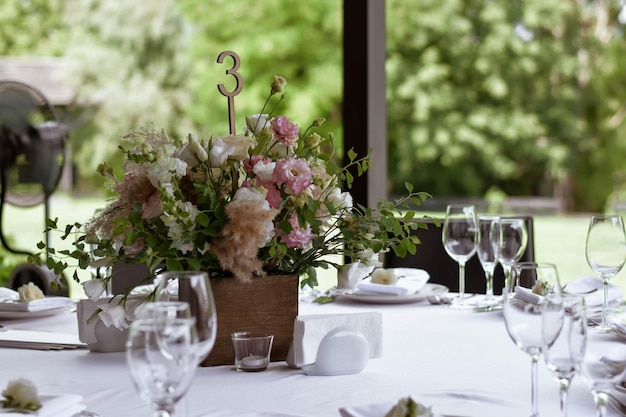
[526,97]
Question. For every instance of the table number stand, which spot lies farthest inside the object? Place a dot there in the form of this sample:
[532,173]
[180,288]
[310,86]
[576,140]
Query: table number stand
[238,86]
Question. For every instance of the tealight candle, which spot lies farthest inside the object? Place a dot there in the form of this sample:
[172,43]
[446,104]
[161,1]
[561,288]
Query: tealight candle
[253,361]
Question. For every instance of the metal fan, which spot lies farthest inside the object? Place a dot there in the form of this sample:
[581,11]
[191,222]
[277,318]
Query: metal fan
[32,155]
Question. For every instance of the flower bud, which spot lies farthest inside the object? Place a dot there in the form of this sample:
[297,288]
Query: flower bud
[313,140]
[319,122]
[278,84]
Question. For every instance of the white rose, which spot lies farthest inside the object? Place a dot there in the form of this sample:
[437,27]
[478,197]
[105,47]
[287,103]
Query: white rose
[113,314]
[264,170]
[252,194]
[256,123]
[220,152]
[384,277]
[21,394]
[29,292]
[94,288]
[339,199]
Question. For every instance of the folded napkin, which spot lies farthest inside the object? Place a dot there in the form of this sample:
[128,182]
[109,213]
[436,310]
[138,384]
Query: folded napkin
[48,303]
[410,281]
[591,289]
[309,331]
[7,294]
[527,295]
[65,405]
[39,340]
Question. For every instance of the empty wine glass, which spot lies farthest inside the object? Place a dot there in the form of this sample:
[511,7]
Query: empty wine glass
[460,237]
[603,366]
[194,288]
[605,249]
[531,284]
[512,241]
[162,359]
[488,255]
[564,354]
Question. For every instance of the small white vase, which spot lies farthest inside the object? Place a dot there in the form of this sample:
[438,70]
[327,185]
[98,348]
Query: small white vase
[94,333]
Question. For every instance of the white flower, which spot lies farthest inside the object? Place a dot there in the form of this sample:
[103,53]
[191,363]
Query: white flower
[264,170]
[30,292]
[220,152]
[256,123]
[339,199]
[113,313]
[369,257]
[384,277]
[252,194]
[21,394]
[166,166]
[94,288]
[197,148]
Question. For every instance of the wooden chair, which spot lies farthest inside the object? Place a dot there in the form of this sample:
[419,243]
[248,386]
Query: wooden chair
[432,257]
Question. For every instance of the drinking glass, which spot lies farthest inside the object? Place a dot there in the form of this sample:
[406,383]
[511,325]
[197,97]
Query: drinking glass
[162,359]
[564,355]
[603,366]
[512,240]
[460,237]
[488,254]
[605,249]
[194,288]
[531,285]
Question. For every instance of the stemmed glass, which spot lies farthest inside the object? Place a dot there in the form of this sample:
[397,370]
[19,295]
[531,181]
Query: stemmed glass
[531,284]
[193,287]
[460,237]
[512,241]
[564,355]
[162,357]
[602,367]
[488,254]
[605,249]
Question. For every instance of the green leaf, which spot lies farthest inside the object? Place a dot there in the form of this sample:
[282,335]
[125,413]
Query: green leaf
[173,265]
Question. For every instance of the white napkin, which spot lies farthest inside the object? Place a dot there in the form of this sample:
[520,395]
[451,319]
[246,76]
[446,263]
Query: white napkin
[527,295]
[370,410]
[591,289]
[310,329]
[47,303]
[7,294]
[54,406]
[410,281]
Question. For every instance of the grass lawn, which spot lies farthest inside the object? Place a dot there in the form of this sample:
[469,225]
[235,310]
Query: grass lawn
[559,240]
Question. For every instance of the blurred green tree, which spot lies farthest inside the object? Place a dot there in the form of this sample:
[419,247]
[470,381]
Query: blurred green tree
[512,94]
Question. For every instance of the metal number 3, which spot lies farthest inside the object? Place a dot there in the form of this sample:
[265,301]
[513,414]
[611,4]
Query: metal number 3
[238,86]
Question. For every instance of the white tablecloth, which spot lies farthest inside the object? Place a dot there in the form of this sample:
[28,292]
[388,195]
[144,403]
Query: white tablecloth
[460,362]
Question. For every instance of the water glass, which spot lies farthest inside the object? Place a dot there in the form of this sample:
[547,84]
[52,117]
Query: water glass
[162,359]
[605,248]
[512,242]
[460,237]
[194,288]
[564,354]
[531,285]
[488,255]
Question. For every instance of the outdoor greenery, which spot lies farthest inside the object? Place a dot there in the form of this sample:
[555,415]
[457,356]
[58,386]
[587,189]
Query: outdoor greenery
[523,96]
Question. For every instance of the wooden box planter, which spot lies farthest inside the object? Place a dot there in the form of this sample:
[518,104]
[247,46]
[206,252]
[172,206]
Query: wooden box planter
[264,305]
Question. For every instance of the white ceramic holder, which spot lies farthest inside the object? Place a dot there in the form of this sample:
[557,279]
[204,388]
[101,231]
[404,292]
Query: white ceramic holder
[342,351]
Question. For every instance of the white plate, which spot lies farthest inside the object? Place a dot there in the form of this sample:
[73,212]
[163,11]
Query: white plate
[33,314]
[427,291]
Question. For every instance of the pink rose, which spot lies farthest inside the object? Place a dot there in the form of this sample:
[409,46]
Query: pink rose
[294,173]
[298,237]
[285,131]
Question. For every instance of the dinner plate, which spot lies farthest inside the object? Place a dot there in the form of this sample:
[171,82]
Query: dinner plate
[428,290]
[8,314]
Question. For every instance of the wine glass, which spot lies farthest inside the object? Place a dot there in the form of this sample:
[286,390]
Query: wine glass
[530,286]
[564,355]
[162,358]
[605,249]
[193,287]
[603,366]
[460,237]
[512,240]
[488,255]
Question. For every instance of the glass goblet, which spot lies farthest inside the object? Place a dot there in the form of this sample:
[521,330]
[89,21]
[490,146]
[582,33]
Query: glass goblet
[531,284]
[603,366]
[162,359]
[605,249]
[460,237]
[564,354]
[194,288]
[487,251]
[512,241]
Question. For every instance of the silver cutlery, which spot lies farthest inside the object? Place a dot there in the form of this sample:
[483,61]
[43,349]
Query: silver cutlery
[619,406]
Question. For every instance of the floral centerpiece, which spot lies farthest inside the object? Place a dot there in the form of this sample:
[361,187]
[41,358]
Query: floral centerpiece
[268,201]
